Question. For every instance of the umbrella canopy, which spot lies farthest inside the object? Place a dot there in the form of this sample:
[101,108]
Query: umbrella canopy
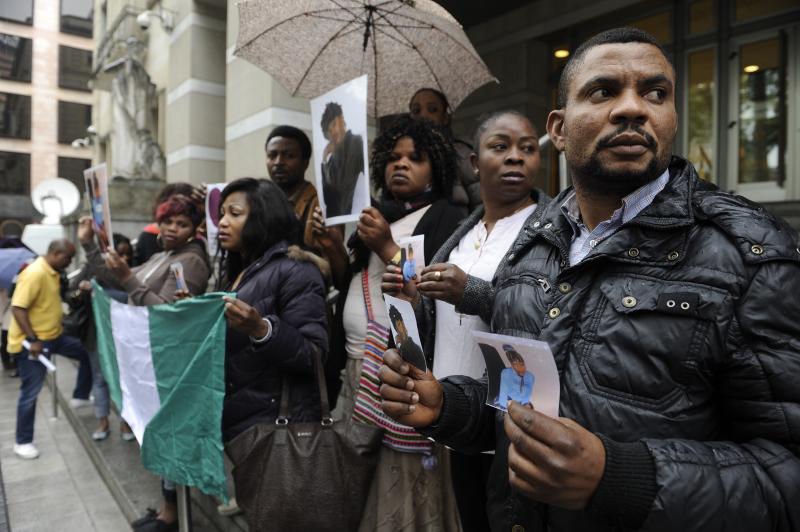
[10,261]
[312,46]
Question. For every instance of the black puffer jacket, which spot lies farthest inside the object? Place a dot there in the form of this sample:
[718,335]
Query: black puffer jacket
[677,341]
[287,287]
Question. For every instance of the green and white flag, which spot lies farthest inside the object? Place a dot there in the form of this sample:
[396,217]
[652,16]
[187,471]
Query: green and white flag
[165,367]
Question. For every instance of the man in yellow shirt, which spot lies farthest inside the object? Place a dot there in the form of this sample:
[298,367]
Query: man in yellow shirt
[35,331]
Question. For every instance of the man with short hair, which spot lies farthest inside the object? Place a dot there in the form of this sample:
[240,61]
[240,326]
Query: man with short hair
[35,329]
[288,155]
[671,310]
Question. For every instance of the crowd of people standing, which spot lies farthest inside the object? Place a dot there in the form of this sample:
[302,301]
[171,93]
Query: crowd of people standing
[655,291]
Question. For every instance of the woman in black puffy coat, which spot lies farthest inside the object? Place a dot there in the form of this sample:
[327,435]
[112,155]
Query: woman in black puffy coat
[276,322]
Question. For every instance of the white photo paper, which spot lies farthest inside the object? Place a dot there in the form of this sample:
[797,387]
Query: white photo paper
[405,331]
[339,124]
[96,179]
[520,369]
[412,257]
[213,203]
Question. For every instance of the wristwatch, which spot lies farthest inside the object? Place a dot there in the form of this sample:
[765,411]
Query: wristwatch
[32,339]
[267,336]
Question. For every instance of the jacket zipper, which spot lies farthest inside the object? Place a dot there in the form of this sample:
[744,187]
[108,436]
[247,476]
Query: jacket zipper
[544,284]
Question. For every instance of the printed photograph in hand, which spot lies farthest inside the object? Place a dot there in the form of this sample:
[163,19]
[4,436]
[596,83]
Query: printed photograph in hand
[96,180]
[412,257]
[405,332]
[340,151]
[520,370]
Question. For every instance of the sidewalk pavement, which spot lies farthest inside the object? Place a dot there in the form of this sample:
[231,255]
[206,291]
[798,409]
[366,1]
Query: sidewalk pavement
[114,463]
[59,491]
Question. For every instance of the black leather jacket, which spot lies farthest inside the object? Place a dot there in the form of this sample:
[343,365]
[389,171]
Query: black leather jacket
[677,341]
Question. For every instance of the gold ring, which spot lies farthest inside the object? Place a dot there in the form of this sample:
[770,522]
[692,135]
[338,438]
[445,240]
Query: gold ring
[438,276]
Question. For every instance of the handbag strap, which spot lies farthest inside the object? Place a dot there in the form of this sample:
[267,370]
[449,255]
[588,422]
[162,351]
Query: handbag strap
[325,407]
[365,291]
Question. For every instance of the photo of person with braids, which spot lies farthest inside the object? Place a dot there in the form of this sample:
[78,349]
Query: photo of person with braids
[342,153]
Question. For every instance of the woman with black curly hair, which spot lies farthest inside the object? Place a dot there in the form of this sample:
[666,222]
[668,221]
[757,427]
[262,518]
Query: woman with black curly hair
[412,168]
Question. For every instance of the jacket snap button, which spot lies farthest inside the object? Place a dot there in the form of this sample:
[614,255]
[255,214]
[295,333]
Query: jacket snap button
[554,313]
[536,224]
[548,225]
[629,301]
[673,255]
[633,252]
[564,288]
[517,528]
[756,249]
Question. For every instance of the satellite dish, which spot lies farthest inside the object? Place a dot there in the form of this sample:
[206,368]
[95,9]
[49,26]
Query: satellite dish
[55,198]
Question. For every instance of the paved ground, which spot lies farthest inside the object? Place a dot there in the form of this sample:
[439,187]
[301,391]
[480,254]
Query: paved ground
[61,491]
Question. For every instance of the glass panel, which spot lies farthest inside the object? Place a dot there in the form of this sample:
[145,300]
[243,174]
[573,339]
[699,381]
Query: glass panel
[750,9]
[761,120]
[700,112]
[71,168]
[15,116]
[74,68]
[77,16]
[73,119]
[659,26]
[15,57]
[17,11]
[15,172]
[701,17]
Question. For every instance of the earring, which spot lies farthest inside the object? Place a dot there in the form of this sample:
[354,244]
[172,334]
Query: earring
[158,239]
[477,172]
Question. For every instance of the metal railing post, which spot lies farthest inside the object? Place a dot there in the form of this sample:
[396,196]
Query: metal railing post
[53,387]
[184,508]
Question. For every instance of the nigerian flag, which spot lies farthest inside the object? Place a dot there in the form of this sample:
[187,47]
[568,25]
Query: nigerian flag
[165,369]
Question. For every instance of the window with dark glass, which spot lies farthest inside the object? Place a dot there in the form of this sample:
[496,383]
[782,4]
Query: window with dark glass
[15,116]
[73,119]
[77,16]
[17,11]
[74,68]
[15,173]
[762,108]
[71,168]
[15,57]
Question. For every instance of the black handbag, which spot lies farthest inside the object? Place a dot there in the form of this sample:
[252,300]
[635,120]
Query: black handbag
[76,323]
[304,476]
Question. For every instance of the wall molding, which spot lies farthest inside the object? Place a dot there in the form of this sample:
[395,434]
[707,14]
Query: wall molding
[271,116]
[195,85]
[196,151]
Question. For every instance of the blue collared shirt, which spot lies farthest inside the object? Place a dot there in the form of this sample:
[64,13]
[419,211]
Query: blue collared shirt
[583,240]
[515,386]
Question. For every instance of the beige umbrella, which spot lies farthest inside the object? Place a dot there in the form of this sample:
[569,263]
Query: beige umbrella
[312,46]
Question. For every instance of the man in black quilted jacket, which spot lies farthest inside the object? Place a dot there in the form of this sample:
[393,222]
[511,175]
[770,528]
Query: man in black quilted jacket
[673,314]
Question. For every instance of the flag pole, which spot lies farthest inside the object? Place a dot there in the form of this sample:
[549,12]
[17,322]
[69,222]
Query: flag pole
[184,508]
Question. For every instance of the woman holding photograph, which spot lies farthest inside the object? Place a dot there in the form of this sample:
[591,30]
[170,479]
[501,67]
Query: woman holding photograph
[455,289]
[413,167]
[153,283]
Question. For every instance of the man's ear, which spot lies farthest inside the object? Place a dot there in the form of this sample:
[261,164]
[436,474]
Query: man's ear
[555,128]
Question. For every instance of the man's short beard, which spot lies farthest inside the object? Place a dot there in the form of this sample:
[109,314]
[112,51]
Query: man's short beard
[594,179]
